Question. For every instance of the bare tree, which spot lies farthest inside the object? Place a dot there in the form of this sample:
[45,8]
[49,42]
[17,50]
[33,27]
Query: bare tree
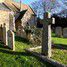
[53,6]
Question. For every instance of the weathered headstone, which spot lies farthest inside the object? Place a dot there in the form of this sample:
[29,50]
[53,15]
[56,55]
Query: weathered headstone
[1,32]
[58,31]
[11,40]
[65,32]
[46,35]
[5,35]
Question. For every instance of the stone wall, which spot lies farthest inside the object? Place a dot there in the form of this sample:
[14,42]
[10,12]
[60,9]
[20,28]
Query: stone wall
[7,17]
[28,18]
[4,18]
[11,21]
[7,26]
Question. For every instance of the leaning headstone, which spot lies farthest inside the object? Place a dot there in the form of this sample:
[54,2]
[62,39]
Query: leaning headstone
[11,40]
[65,32]
[46,34]
[58,31]
[5,35]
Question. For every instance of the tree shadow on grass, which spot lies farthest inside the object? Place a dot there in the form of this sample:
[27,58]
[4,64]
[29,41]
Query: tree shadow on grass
[60,46]
[7,51]
[20,39]
[2,46]
[25,54]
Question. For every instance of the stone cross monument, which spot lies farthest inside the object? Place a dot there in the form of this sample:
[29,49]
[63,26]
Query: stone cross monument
[46,35]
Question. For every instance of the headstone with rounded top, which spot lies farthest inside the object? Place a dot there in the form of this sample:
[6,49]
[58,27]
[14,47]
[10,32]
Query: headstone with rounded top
[5,35]
[11,40]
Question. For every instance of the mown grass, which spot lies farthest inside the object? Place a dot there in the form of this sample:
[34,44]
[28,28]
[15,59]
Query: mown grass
[59,51]
[20,58]
[57,40]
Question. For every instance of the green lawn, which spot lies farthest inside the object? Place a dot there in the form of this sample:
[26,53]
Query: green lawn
[59,52]
[20,58]
[57,40]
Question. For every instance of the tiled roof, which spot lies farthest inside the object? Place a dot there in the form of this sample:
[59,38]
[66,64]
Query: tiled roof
[19,15]
[3,7]
[14,6]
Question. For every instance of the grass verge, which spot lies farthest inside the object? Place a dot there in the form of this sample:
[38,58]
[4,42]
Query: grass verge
[20,58]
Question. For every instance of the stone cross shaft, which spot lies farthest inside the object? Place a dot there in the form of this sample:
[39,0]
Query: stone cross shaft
[46,34]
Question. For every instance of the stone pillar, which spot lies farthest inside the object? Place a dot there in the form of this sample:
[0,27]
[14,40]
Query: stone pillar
[46,35]
[11,40]
[5,35]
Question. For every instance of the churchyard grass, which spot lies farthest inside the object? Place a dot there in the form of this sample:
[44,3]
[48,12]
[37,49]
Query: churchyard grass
[59,52]
[19,58]
[58,40]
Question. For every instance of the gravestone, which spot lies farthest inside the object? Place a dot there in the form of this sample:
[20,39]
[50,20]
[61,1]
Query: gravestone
[5,35]
[1,33]
[11,40]
[58,31]
[46,34]
[65,32]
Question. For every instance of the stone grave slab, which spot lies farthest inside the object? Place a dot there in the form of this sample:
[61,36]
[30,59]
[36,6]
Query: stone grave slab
[65,32]
[58,31]
[11,40]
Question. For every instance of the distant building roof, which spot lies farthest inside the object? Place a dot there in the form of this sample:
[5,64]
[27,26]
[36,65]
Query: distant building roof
[15,6]
[3,7]
[19,15]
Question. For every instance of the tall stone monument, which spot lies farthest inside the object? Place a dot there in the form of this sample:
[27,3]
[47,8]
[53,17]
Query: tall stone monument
[46,35]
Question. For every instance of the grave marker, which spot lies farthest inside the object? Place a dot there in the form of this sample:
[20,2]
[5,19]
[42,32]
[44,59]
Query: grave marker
[58,31]
[46,35]
[11,40]
[65,32]
[5,35]
[1,32]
